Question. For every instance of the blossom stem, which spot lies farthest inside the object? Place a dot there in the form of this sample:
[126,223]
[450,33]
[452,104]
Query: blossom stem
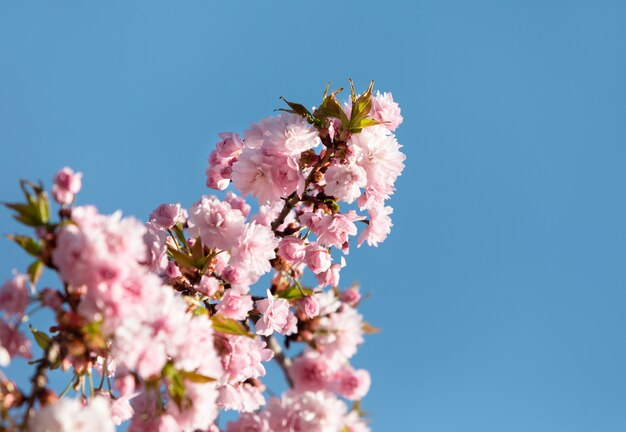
[283,361]
[39,381]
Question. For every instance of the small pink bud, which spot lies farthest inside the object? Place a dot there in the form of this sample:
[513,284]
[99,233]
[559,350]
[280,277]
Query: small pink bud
[67,183]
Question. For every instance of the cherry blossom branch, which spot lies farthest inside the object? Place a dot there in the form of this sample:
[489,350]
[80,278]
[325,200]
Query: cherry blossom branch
[294,199]
[283,361]
[39,380]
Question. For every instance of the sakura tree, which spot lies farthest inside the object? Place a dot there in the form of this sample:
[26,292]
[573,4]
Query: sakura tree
[163,325]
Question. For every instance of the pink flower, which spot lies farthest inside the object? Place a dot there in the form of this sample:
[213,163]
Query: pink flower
[308,411]
[266,175]
[234,305]
[351,296]
[222,159]
[344,182]
[208,285]
[379,154]
[218,176]
[331,276]
[242,397]
[166,215]
[309,306]
[238,278]
[14,295]
[230,146]
[287,134]
[66,185]
[237,203]
[379,226]
[353,422]
[252,174]
[215,222]
[155,240]
[334,230]
[338,334]
[353,384]
[172,271]
[200,412]
[311,372]
[254,249]
[274,312]
[121,409]
[317,258]
[292,249]
[242,357]
[71,415]
[291,325]
[268,212]
[249,422]
[386,111]
[12,343]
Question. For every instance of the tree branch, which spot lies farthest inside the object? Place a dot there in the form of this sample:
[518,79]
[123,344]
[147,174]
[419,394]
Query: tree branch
[283,361]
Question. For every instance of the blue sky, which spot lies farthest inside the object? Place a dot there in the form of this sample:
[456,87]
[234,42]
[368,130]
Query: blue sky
[501,291]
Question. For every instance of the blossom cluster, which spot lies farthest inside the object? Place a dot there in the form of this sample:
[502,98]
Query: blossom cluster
[164,324]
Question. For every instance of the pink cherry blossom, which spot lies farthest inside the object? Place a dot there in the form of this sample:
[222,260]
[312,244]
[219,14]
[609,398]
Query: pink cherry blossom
[67,184]
[166,215]
[208,285]
[13,343]
[351,296]
[340,333]
[386,111]
[312,372]
[353,384]
[317,258]
[292,249]
[254,248]
[249,422]
[344,182]
[234,305]
[215,223]
[334,230]
[274,312]
[309,411]
[70,415]
[242,397]
[14,295]
[242,357]
[309,306]
[379,226]
[237,203]
[378,153]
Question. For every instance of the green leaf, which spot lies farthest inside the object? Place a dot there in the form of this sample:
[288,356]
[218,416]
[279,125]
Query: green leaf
[294,293]
[331,107]
[36,211]
[30,245]
[182,259]
[197,250]
[297,108]
[35,270]
[42,339]
[361,107]
[196,377]
[229,326]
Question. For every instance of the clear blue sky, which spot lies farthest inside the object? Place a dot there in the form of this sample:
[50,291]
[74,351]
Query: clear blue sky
[502,289]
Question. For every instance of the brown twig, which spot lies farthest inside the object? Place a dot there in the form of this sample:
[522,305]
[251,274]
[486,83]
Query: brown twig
[294,199]
[283,361]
